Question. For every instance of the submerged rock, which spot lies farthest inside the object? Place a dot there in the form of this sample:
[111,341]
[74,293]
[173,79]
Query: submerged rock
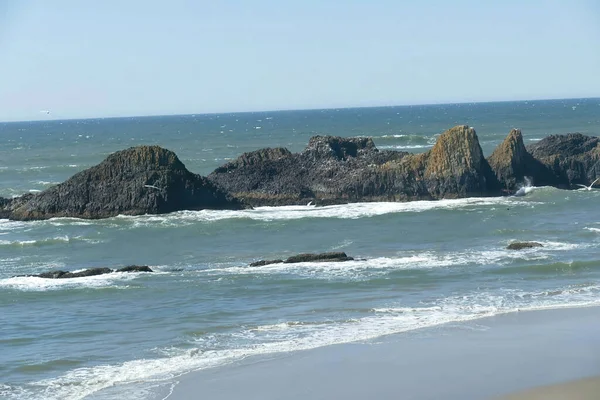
[310,257]
[89,272]
[135,268]
[337,256]
[262,263]
[139,180]
[80,274]
[523,245]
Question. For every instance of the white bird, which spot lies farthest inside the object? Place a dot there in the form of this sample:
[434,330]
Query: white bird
[152,186]
[309,203]
[45,112]
[588,187]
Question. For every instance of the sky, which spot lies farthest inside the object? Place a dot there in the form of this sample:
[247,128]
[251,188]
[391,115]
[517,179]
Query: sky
[81,59]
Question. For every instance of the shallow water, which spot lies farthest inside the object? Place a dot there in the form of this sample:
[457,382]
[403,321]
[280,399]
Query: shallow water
[426,263]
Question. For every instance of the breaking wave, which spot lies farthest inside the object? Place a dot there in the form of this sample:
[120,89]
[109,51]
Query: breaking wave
[366,269]
[35,284]
[288,336]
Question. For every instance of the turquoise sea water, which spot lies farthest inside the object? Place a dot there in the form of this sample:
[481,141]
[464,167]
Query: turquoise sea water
[426,263]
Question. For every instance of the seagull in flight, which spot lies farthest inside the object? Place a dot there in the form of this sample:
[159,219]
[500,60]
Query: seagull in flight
[152,187]
[588,187]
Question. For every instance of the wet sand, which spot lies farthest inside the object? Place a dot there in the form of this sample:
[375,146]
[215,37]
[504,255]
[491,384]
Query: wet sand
[481,359]
[584,389]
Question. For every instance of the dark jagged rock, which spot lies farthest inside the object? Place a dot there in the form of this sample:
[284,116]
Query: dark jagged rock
[7,206]
[80,274]
[139,180]
[309,257]
[339,170]
[89,272]
[570,159]
[511,162]
[306,257]
[135,268]
[262,263]
[323,170]
[523,245]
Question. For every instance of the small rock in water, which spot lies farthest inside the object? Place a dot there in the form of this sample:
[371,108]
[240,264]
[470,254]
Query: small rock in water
[80,274]
[523,245]
[261,263]
[89,272]
[308,257]
[135,268]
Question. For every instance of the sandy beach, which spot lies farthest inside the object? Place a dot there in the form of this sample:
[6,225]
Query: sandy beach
[583,389]
[480,359]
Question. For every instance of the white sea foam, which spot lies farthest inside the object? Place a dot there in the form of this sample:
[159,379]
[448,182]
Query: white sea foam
[30,283]
[526,187]
[48,241]
[46,183]
[359,269]
[294,336]
[344,211]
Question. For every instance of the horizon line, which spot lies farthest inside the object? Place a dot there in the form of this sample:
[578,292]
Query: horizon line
[294,109]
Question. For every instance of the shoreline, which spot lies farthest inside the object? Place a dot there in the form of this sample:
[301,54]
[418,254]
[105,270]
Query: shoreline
[582,389]
[483,358]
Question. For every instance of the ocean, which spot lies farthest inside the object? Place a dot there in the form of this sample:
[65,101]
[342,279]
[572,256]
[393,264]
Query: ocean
[421,264]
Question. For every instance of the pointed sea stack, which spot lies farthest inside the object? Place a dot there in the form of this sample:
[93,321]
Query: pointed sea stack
[511,162]
[455,166]
[139,180]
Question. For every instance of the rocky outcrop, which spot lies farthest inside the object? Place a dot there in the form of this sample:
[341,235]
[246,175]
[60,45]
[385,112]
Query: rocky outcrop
[455,166]
[340,170]
[327,169]
[7,206]
[523,245]
[511,162]
[336,256]
[139,180]
[570,159]
[89,272]
[330,170]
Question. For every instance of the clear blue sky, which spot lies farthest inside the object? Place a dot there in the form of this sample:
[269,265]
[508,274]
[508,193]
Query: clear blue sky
[143,57]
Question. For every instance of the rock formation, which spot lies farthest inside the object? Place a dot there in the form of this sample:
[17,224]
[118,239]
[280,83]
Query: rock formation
[330,170]
[569,159]
[511,162]
[339,170]
[139,180]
